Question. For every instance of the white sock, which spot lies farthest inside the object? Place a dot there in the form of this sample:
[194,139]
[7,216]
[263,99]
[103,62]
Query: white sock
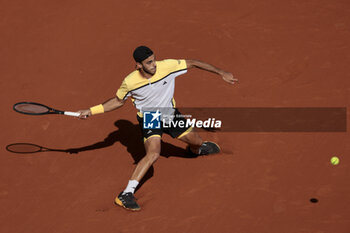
[131,186]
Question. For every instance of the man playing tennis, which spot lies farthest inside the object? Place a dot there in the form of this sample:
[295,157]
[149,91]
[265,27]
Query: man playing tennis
[152,85]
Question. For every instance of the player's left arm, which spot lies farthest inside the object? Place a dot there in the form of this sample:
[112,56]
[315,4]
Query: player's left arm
[227,76]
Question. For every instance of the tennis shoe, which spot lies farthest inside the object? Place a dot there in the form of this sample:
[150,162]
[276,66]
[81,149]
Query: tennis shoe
[127,200]
[206,148]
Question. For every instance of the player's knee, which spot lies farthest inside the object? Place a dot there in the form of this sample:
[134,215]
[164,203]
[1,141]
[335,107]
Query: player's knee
[153,157]
[192,139]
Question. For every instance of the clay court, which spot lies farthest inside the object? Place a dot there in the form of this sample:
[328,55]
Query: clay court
[73,55]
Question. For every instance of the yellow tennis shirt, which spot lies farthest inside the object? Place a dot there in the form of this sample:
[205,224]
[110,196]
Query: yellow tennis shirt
[157,91]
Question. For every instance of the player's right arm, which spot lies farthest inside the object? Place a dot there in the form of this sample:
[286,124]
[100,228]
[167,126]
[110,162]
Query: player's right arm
[107,106]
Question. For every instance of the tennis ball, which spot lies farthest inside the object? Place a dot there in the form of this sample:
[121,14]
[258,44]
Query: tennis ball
[335,160]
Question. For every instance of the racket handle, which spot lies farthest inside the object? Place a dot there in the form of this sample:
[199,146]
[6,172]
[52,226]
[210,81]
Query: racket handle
[75,114]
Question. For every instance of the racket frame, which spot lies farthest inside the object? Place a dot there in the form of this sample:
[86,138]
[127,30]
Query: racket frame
[50,110]
[40,148]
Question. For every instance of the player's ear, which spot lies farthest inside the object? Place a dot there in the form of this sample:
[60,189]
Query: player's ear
[138,65]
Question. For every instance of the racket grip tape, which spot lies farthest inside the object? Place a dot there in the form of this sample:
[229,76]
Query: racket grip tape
[75,114]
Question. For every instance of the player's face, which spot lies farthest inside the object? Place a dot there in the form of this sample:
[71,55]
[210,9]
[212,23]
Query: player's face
[149,65]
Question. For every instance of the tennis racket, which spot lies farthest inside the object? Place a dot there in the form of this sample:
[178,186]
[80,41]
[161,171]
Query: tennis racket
[29,148]
[25,148]
[31,108]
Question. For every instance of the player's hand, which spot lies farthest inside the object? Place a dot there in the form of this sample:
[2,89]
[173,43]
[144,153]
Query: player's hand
[84,113]
[228,77]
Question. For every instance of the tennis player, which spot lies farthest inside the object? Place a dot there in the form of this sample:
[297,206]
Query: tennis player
[152,85]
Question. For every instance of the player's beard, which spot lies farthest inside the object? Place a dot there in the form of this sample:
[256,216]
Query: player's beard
[148,71]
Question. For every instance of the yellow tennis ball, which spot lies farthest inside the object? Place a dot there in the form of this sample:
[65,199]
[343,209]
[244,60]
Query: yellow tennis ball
[335,160]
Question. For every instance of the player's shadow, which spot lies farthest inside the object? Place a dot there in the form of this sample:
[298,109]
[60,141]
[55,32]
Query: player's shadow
[128,134]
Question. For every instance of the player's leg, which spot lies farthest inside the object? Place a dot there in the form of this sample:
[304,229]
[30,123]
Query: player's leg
[126,198]
[188,135]
[152,146]
[193,140]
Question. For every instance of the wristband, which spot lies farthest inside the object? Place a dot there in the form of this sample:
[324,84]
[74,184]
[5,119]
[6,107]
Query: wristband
[97,109]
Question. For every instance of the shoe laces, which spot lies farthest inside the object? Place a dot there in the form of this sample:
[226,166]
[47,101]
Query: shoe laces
[129,196]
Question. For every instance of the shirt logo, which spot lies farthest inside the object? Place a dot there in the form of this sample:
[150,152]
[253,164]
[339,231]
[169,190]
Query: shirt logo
[164,83]
[151,120]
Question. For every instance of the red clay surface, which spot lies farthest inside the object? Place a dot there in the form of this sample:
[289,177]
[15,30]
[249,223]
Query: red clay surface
[74,54]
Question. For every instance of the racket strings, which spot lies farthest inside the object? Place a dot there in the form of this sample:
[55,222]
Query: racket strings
[31,108]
